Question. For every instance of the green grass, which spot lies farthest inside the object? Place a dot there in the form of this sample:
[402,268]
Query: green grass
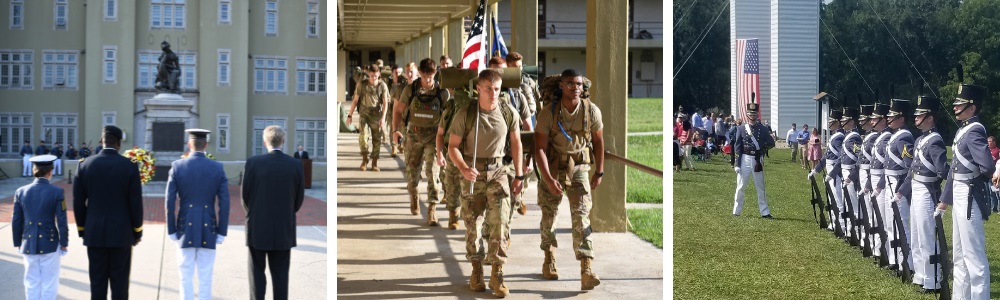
[647,224]
[644,187]
[719,256]
[645,114]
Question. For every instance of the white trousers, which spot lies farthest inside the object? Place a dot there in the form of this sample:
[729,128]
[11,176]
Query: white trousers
[26,163]
[838,197]
[852,196]
[746,163]
[904,215]
[880,202]
[922,236]
[41,276]
[58,166]
[972,269]
[189,260]
[864,202]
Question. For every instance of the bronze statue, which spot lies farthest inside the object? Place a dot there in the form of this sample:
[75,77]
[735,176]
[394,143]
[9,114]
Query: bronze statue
[168,72]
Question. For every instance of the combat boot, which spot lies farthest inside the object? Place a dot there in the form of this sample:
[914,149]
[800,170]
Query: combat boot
[375,165]
[497,284]
[432,219]
[453,219]
[413,204]
[394,150]
[522,209]
[588,280]
[364,164]
[476,280]
[549,266]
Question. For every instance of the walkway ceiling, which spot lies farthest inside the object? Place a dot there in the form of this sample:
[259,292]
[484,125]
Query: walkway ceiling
[386,23]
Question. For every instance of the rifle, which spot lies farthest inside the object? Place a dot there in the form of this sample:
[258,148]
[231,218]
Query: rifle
[817,202]
[879,230]
[834,212]
[866,242]
[848,216]
[941,258]
[901,243]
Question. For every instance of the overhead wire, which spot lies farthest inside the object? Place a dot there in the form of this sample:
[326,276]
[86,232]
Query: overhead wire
[701,38]
[845,54]
[684,14]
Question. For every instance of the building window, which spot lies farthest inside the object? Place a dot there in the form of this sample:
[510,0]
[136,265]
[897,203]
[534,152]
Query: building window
[224,63]
[271,18]
[61,14]
[110,64]
[222,139]
[15,69]
[259,123]
[110,118]
[270,75]
[110,10]
[15,128]
[310,76]
[17,14]
[225,12]
[166,14]
[148,60]
[312,19]
[311,135]
[59,128]
[59,69]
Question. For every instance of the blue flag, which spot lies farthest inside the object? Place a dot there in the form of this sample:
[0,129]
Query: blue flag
[499,47]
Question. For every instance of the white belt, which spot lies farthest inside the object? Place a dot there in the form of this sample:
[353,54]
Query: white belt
[895,172]
[27,155]
[848,167]
[866,166]
[965,177]
[877,171]
[924,179]
[831,162]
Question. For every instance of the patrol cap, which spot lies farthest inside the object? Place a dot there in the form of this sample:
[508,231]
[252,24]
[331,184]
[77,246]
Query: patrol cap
[927,104]
[850,113]
[113,131]
[899,107]
[198,133]
[43,160]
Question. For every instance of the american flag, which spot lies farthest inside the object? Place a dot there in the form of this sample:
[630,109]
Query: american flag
[474,55]
[747,74]
[499,47]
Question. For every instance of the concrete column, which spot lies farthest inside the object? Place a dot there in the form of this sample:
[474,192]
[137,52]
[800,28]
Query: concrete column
[456,41]
[342,78]
[524,30]
[607,56]
[437,42]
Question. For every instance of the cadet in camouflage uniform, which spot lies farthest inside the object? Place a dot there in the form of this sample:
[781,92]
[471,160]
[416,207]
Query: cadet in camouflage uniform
[518,101]
[528,86]
[567,128]
[477,137]
[375,97]
[396,87]
[423,101]
[451,177]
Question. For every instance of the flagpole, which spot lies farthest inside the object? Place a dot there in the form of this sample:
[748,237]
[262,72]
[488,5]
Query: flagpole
[488,30]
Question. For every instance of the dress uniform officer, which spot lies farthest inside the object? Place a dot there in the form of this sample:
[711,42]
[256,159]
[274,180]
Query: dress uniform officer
[877,176]
[57,151]
[967,189]
[923,181]
[198,181]
[850,155]
[898,156]
[749,143]
[107,204]
[372,101]
[831,158]
[39,225]
[477,151]
[26,153]
[864,175]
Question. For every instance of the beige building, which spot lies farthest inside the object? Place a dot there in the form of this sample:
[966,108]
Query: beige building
[68,67]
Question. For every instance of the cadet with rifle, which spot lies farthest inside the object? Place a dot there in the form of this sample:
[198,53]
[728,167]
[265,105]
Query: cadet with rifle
[865,161]
[878,180]
[849,171]
[833,173]
[899,156]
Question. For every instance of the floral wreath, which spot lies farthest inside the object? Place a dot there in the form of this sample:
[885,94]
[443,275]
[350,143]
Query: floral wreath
[145,160]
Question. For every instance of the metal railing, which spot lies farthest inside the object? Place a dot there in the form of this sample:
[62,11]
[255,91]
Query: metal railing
[578,30]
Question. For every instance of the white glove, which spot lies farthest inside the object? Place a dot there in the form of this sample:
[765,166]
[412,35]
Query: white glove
[828,177]
[219,238]
[938,211]
[63,253]
[736,169]
[847,180]
[898,198]
[175,237]
[811,174]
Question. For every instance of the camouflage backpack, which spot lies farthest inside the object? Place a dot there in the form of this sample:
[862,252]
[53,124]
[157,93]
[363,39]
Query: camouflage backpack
[426,109]
[551,94]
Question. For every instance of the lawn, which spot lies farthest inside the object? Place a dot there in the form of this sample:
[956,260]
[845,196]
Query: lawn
[644,187]
[647,223]
[719,256]
[645,114]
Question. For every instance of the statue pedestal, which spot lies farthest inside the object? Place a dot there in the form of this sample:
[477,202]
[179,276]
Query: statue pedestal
[167,115]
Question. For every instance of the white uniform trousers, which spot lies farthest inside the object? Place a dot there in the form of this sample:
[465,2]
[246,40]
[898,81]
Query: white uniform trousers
[972,269]
[838,196]
[883,207]
[746,163]
[201,259]
[58,166]
[863,201]
[852,195]
[904,215]
[922,236]
[26,163]
[41,276]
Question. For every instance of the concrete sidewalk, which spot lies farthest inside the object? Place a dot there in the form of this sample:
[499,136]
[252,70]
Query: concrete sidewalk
[384,252]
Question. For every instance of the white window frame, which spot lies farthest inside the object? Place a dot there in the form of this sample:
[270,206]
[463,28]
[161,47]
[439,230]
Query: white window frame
[9,129]
[109,114]
[228,19]
[226,63]
[268,10]
[310,16]
[112,61]
[262,69]
[111,6]
[314,127]
[56,124]
[258,132]
[20,5]
[305,66]
[223,122]
[55,15]
[161,15]
[189,68]
[24,64]
[71,73]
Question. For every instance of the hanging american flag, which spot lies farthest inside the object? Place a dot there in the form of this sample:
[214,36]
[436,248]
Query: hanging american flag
[747,74]
[499,47]
[474,56]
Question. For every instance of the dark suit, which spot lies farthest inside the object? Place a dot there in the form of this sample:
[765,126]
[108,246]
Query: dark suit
[107,204]
[272,192]
[304,155]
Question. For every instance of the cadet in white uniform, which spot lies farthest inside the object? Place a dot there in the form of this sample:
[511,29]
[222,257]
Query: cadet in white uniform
[40,231]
